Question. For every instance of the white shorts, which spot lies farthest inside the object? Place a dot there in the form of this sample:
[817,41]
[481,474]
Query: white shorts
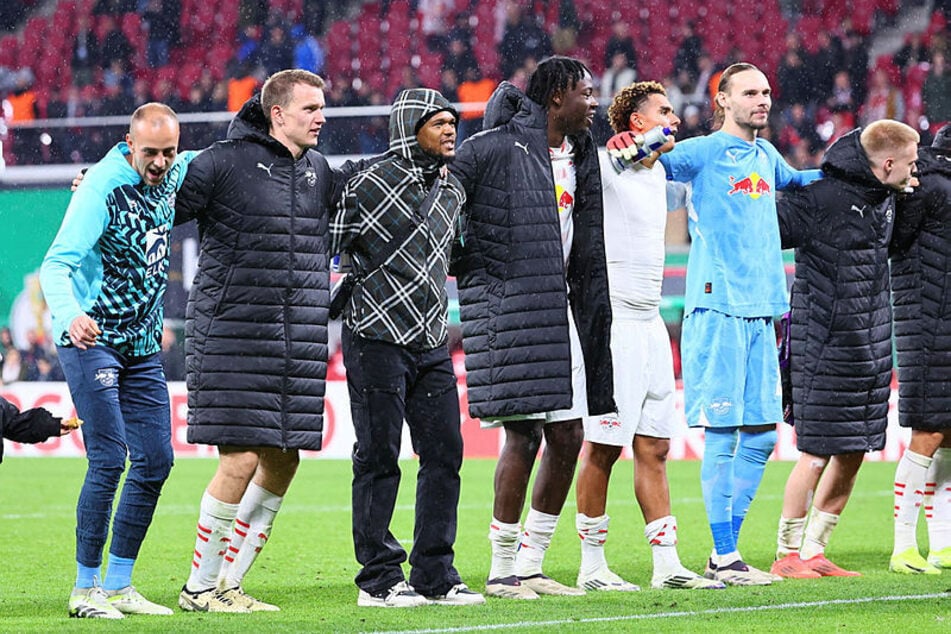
[643,384]
[579,389]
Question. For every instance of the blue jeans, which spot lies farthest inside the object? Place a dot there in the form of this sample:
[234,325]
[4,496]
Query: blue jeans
[124,404]
[389,383]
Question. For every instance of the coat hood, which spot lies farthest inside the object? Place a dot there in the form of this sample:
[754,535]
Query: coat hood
[932,160]
[250,125]
[506,102]
[846,160]
[411,110]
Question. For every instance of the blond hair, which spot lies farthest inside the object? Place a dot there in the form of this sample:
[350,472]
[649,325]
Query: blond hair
[885,135]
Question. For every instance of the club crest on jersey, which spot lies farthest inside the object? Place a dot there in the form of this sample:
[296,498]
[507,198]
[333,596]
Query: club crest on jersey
[753,186]
[107,377]
[311,177]
[720,406]
[156,251]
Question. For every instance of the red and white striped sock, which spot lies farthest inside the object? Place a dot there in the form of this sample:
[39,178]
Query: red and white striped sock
[214,532]
[939,516]
[661,534]
[593,532]
[910,477]
[252,528]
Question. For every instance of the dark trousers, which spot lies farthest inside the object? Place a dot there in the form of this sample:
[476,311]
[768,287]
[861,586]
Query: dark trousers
[124,404]
[389,383]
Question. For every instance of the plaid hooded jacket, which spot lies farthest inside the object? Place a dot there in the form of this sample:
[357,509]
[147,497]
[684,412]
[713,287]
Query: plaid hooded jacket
[403,301]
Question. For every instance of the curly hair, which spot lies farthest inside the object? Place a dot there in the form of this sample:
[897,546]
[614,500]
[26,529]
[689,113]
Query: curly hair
[629,100]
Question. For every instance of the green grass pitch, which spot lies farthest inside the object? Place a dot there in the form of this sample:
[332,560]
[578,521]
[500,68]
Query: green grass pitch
[308,566]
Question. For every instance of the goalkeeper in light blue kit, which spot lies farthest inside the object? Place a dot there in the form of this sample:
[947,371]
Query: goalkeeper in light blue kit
[736,284]
[104,279]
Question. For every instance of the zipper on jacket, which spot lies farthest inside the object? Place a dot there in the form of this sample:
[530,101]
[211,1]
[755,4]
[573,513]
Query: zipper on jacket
[288,290]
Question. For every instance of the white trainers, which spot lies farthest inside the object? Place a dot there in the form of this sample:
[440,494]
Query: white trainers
[209,600]
[459,594]
[401,595]
[91,603]
[604,580]
[739,573]
[542,584]
[509,588]
[687,580]
[238,596]
[128,600]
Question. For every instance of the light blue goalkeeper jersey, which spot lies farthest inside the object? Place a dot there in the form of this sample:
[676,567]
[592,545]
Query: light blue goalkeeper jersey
[110,256]
[735,264]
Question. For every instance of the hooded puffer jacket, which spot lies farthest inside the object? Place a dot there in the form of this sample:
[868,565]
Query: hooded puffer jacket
[840,335]
[921,288]
[511,273]
[404,300]
[256,321]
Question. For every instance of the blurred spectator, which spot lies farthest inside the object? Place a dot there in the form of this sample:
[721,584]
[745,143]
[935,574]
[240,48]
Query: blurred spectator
[115,75]
[691,124]
[339,137]
[474,89]
[22,105]
[408,80]
[688,53]
[85,59]
[824,64]
[883,100]
[308,53]
[173,355]
[115,45]
[620,42]
[13,369]
[793,78]
[675,90]
[277,52]
[449,84]
[459,57]
[798,127]
[619,74]
[842,95]
[160,20]
[141,93]
[115,101]
[434,22]
[523,39]
[855,60]
[315,13]
[44,368]
[936,92]
[462,29]
[373,134]
[249,43]
[241,86]
[913,52]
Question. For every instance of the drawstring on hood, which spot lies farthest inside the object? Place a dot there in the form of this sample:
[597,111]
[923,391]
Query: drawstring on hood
[411,110]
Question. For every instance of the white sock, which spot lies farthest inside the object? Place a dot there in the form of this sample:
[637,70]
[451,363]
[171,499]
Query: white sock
[818,531]
[539,528]
[721,561]
[252,527]
[504,540]
[661,534]
[910,476]
[214,531]
[939,525]
[789,535]
[593,532]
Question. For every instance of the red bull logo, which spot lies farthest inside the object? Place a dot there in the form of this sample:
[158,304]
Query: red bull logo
[753,186]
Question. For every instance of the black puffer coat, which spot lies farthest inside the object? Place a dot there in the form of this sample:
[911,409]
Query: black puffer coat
[256,321]
[921,288]
[511,272]
[841,355]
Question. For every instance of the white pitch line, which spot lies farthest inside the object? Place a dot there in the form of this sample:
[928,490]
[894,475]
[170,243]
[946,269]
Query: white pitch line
[665,615]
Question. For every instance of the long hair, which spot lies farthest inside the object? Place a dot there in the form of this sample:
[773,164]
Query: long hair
[724,86]
[554,74]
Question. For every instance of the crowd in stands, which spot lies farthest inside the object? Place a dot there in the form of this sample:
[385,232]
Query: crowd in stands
[210,55]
